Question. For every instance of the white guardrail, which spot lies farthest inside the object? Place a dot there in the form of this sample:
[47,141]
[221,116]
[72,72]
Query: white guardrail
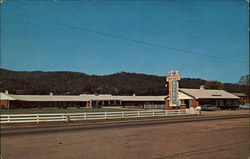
[68,117]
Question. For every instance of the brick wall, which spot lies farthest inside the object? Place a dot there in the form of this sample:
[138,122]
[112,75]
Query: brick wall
[4,103]
[245,99]
[194,103]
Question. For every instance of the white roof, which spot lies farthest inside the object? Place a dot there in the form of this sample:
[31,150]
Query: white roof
[4,96]
[49,98]
[91,95]
[240,94]
[141,98]
[208,94]
[183,96]
[83,97]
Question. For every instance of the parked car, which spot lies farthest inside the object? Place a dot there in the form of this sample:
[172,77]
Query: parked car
[225,107]
[245,106]
[207,107]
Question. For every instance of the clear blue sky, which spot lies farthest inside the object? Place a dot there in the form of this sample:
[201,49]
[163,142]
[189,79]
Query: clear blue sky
[205,39]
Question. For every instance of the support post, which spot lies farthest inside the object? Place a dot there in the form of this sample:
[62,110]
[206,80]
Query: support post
[90,104]
[8,104]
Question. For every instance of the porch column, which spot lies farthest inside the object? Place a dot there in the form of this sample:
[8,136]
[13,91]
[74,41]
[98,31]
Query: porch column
[88,104]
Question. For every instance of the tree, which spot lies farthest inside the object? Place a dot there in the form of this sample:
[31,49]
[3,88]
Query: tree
[214,85]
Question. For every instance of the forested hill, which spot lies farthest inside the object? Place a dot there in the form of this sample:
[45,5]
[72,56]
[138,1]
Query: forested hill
[37,82]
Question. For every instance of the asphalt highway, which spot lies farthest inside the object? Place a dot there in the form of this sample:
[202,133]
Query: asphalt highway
[14,131]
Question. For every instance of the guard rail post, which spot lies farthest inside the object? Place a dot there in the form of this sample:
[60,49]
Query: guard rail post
[68,118]
[85,116]
[63,117]
[123,114]
[8,118]
[37,119]
[106,115]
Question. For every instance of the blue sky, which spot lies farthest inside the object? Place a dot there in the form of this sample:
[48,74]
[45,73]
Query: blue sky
[202,39]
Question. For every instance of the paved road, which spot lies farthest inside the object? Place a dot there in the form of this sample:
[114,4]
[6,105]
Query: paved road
[10,131]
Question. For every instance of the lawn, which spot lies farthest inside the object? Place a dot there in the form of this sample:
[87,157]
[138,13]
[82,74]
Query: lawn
[56,110]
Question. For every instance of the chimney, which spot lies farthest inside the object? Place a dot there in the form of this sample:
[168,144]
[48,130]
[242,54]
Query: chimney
[202,87]
[51,94]
[6,92]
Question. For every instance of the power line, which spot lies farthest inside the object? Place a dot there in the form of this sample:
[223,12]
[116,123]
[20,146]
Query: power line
[104,51]
[125,38]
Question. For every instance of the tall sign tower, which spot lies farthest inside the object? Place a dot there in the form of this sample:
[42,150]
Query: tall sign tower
[173,87]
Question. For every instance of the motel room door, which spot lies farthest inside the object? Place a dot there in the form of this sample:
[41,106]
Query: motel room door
[187,103]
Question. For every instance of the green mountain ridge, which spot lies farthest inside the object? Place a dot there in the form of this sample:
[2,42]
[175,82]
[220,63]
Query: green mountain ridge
[122,83]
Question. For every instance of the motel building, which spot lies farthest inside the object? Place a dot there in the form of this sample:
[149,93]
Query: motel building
[187,98]
[11,101]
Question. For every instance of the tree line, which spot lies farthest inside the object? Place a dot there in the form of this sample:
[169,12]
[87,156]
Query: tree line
[123,83]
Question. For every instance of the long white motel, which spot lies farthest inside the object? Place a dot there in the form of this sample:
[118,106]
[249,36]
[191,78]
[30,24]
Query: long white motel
[188,98]
[177,98]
